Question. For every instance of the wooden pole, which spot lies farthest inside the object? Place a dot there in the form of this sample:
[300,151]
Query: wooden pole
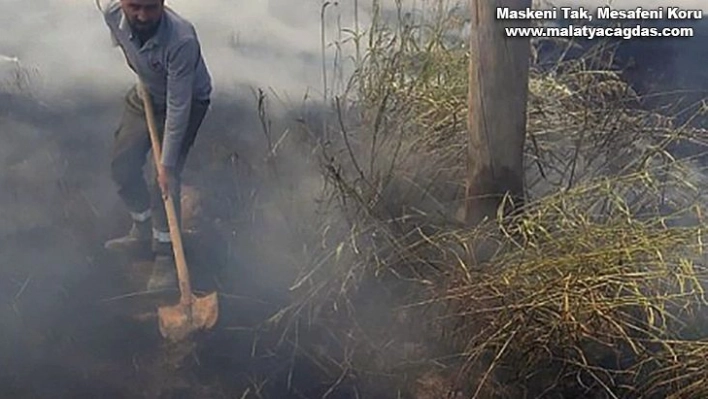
[498,91]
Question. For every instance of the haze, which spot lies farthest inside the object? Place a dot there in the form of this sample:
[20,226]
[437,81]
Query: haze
[264,43]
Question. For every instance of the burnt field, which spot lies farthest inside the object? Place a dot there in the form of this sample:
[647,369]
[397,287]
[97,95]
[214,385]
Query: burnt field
[74,322]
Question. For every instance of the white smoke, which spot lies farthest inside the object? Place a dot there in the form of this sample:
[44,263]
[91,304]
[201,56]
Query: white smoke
[264,43]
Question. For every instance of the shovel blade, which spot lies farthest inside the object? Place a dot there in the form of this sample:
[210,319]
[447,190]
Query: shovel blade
[178,322]
[205,311]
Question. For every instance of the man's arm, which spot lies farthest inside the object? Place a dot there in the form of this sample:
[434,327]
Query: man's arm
[114,41]
[181,70]
[106,7]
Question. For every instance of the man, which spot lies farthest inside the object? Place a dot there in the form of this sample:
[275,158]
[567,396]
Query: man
[164,51]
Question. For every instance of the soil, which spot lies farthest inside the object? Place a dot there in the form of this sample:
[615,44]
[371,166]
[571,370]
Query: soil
[73,323]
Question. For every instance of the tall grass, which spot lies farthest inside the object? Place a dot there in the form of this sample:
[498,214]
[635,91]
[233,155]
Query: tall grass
[595,290]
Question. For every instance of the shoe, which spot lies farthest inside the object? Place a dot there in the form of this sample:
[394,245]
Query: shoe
[164,274]
[139,236]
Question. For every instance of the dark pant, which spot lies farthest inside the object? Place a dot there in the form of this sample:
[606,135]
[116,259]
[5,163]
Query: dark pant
[130,149]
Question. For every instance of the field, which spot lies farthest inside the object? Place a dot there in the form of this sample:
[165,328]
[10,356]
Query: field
[331,231]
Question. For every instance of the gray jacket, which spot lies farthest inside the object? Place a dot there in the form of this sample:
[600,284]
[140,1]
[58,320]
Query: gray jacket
[170,65]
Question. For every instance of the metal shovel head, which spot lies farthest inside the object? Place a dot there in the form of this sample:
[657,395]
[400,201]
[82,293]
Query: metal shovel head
[179,321]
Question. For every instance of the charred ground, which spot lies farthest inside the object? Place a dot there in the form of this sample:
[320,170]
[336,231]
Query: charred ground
[68,330]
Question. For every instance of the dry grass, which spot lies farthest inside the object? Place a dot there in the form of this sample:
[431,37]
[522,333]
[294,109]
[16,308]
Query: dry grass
[582,287]
[595,290]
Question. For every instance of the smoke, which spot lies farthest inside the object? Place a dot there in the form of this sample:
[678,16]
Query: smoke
[61,88]
[62,85]
[61,92]
[274,43]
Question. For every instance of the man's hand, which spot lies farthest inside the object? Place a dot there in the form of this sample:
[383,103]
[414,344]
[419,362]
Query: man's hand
[164,176]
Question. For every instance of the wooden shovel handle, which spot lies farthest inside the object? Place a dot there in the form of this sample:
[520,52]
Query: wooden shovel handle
[185,286]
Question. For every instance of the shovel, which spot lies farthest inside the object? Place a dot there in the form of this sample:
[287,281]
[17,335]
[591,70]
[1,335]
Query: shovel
[191,313]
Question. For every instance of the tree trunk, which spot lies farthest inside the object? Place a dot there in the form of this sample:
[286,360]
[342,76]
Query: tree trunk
[498,91]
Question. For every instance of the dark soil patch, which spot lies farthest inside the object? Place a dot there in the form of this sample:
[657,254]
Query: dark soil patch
[71,325]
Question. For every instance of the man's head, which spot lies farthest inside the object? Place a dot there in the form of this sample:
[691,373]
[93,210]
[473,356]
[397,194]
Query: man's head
[143,15]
